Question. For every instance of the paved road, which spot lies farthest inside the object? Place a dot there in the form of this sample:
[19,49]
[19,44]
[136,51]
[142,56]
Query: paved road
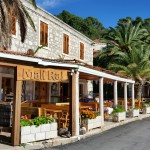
[132,136]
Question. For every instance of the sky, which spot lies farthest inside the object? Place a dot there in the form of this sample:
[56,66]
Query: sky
[108,12]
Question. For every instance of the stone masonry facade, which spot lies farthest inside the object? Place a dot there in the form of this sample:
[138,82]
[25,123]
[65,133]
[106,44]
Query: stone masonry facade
[56,29]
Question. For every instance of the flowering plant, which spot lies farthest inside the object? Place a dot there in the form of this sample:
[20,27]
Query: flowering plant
[89,114]
[24,121]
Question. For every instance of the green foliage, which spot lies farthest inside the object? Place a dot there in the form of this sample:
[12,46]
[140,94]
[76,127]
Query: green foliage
[146,104]
[22,16]
[23,145]
[89,26]
[36,121]
[25,122]
[118,109]
[42,120]
[38,48]
[127,52]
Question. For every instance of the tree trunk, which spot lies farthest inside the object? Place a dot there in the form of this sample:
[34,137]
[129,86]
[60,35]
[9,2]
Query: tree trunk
[139,92]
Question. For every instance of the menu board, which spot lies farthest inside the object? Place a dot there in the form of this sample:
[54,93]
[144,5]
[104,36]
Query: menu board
[6,114]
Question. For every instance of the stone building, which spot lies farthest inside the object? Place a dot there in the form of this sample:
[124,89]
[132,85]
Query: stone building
[61,71]
[56,35]
[61,42]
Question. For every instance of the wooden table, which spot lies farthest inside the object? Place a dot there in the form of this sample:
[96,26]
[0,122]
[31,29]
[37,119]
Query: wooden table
[84,107]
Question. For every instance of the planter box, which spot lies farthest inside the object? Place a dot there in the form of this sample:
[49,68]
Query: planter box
[92,123]
[42,132]
[134,113]
[121,116]
[146,110]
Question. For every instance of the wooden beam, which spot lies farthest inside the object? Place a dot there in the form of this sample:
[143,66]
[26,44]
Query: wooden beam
[16,110]
[7,64]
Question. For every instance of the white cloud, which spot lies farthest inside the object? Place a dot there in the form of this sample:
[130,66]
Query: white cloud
[48,3]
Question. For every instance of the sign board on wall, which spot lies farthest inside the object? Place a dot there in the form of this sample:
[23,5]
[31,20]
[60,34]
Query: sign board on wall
[41,74]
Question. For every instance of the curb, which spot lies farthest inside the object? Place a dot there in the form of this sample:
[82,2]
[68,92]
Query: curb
[62,141]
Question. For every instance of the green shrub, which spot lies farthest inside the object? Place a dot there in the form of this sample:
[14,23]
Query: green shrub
[118,109]
[24,121]
[146,104]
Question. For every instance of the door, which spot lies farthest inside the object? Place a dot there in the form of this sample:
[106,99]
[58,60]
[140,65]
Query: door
[41,90]
[64,92]
[7,89]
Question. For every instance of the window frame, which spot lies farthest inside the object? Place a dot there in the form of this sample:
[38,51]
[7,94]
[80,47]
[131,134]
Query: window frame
[45,22]
[68,45]
[81,57]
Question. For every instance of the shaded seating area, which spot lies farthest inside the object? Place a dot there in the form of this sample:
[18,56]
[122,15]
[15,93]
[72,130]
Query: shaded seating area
[59,111]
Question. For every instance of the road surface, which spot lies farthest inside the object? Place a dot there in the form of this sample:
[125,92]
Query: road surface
[132,136]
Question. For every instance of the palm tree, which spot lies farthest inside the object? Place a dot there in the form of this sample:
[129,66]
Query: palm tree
[126,35]
[127,53]
[134,64]
[17,9]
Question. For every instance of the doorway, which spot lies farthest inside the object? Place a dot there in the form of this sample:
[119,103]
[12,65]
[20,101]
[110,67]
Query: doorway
[41,91]
[64,92]
[7,89]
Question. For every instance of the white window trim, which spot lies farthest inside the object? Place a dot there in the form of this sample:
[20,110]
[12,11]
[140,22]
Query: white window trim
[46,47]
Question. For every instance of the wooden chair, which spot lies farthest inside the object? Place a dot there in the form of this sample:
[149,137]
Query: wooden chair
[64,119]
[121,102]
[137,103]
[32,111]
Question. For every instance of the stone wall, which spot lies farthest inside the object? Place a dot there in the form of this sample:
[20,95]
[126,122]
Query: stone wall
[56,29]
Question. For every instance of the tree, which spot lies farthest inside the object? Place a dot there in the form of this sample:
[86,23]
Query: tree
[134,64]
[89,26]
[127,53]
[126,35]
[9,8]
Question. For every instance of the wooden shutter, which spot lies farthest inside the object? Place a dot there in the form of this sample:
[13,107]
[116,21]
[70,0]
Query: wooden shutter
[66,44]
[46,34]
[43,33]
[13,25]
[82,51]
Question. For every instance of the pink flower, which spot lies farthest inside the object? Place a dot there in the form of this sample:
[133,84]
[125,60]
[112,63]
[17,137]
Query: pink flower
[22,117]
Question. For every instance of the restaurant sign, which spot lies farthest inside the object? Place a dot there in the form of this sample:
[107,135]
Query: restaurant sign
[41,74]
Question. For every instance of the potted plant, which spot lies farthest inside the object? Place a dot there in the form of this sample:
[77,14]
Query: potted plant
[118,114]
[39,128]
[146,108]
[134,112]
[90,119]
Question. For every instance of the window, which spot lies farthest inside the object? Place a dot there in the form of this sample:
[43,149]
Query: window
[43,33]
[81,90]
[66,44]
[13,25]
[82,51]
